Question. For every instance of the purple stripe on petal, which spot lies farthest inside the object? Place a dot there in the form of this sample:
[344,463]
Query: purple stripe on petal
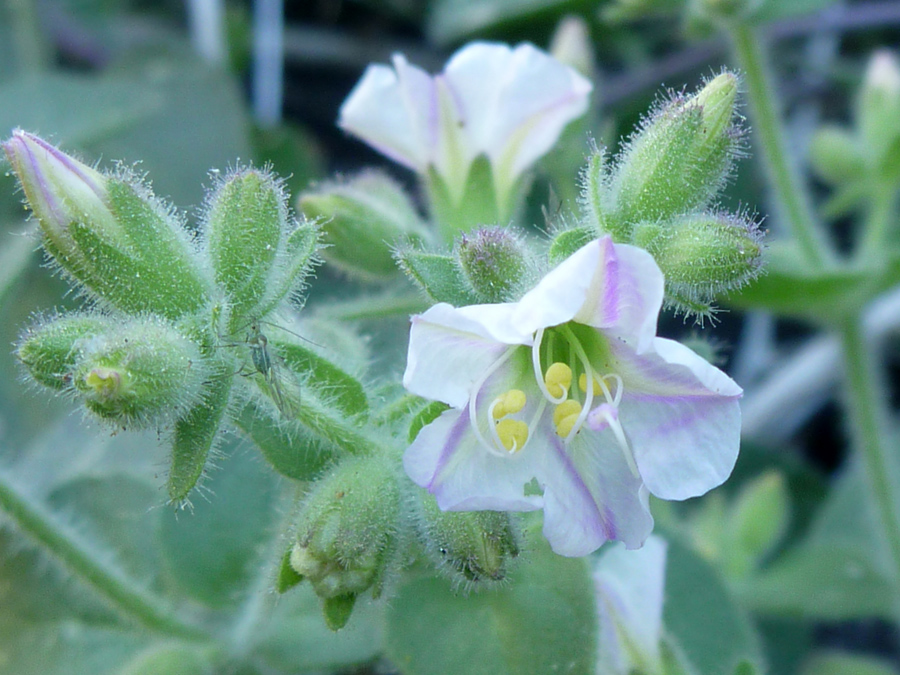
[69,163]
[454,438]
[606,526]
[611,281]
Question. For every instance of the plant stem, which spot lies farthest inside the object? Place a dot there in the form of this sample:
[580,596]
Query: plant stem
[865,395]
[132,602]
[879,220]
[783,175]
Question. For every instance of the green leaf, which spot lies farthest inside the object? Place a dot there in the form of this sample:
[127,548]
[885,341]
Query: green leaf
[542,622]
[209,552]
[788,288]
[291,450]
[702,618]
[166,659]
[194,437]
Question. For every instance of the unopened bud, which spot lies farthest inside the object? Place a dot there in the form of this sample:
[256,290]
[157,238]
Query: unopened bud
[678,161]
[878,108]
[347,532]
[835,156]
[439,276]
[140,374]
[571,44]
[493,262]
[702,256]
[246,223]
[362,220]
[108,232]
[50,350]
[471,547]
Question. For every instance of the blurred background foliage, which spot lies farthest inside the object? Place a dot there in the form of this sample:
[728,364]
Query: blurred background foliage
[787,546]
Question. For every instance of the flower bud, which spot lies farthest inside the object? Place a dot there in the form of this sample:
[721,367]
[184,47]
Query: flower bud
[835,156]
[347,531]
[677,162]
[362,219]
[702,256]
[878,108]
[140,374]
[246,222]
[571,45]
[470,547]
[493,262]
[50,350]
[108,232]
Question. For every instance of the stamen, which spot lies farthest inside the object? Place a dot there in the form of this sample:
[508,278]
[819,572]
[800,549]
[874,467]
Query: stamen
[512,434]
[473,413]
[508,404]
[565,409]
[589,376]
[538,375]
[558,379]
[608,413]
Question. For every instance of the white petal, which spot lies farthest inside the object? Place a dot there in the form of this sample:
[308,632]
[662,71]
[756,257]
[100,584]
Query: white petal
[395,110]
[447,459]
[590,495]
[630,586]
[514,103]
[614,287]
[681,416]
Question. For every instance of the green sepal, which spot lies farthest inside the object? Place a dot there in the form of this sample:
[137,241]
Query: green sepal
[195,435]
[287,576]
[337,611]
[300,255]
[438,275]
[566,242]
[244,223]
[290,449]
[168,280]
[361,219]
[478,203]
[424,417]
[339,388]
[599,214]
[49,351]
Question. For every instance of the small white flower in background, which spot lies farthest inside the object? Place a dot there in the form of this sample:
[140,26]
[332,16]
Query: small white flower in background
[570,388]
[629,588]
[507,104]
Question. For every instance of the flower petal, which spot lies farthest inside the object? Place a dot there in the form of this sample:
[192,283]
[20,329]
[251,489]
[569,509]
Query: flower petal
[514,103]
[681,416]
[590,495]
[447,459]
[613,287]
[395,110]
[451,348]
[630,587]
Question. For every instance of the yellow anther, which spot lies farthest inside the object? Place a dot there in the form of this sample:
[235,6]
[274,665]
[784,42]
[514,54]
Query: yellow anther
[558,379]
[565,425]
[565,409]
[513,434]
[509,403]
[582,384]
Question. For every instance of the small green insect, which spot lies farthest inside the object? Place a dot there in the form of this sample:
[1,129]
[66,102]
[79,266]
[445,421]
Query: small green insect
[274,375]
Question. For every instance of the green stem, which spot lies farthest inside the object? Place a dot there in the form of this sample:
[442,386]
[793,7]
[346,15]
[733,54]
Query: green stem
[868,426]
[783,175]
[132,602]
[879,220]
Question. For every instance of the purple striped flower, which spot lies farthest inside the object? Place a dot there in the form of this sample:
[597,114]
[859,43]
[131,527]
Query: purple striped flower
[567,401]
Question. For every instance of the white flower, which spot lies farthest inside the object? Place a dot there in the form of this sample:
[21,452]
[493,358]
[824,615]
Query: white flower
[657,417]
[630,589]
[507,104]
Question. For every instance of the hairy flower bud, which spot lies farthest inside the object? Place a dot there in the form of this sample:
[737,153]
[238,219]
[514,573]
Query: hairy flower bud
[675,164]
[49,349]
[347,531]
[702,256]
[470,547]
[362,219]
[494,263]
[140,374]
[246,223]
[878,108]
[835,155]
[108,232]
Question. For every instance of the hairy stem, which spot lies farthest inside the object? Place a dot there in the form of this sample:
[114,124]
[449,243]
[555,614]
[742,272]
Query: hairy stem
[129,600]
[864,403]
[783,174]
